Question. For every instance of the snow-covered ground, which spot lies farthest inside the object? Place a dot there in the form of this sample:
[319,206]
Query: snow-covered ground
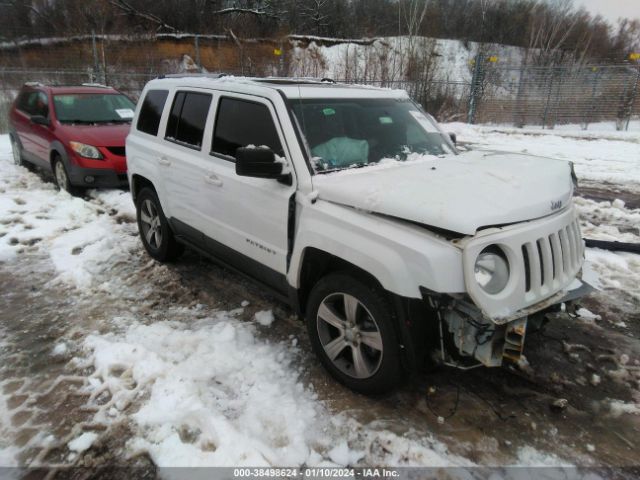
[206,389]
[600,154]
[230,383]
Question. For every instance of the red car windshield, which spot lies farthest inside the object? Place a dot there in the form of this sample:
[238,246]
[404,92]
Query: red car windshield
[93,108]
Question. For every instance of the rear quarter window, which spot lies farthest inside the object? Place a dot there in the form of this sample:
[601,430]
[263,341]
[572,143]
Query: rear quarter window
[151,111]
[187,118]
[33,102]
[22,103]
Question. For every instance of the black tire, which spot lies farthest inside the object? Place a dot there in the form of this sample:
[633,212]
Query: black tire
[161,243]
[61,177]
[373,316]
[16,150]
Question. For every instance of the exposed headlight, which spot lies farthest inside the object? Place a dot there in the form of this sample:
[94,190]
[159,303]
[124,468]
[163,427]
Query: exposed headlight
[86,151]
[492,270]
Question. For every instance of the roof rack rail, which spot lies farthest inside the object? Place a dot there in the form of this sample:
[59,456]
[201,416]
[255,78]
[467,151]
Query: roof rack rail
[295,80]
[192,75]
[34,84]
[96,85]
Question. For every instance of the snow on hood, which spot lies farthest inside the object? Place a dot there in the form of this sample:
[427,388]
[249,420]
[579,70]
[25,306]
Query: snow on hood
[460,193]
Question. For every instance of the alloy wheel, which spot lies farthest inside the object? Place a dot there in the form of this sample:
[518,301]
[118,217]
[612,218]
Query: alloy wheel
[61,176]
[349,335]
[151,225]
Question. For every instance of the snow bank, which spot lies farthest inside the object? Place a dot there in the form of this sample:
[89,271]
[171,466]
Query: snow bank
[530,457]
[82,238]
[8,452]
[83,442]
[209,403]
[618,407]
[264,317]
[387,57]
[209,393]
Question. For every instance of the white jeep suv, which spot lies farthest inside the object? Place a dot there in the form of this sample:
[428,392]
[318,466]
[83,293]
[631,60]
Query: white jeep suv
[352,205]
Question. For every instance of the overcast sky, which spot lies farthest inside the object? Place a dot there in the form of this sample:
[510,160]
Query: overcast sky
[612,9]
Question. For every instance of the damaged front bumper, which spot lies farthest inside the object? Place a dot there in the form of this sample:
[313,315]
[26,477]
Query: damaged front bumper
[469,339]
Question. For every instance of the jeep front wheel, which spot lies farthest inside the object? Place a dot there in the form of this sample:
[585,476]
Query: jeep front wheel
[351,329]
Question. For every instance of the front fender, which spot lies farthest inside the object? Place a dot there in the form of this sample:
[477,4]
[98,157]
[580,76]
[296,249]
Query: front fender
[57,147]
[401,256]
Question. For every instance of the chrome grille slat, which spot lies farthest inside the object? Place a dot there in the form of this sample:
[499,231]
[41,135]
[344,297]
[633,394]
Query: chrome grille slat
[574,246]
[557,255]
[534,266]
[566,251]
[576,240]
[576,230]
[547,262]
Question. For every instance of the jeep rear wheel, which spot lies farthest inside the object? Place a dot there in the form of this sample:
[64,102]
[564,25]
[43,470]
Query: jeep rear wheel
[155,232]
[351,329]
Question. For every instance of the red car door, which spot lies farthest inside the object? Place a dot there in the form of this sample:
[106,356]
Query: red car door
[20,117]
[42,135]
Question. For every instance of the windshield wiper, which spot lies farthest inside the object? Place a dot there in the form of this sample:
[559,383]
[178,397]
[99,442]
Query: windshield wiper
[114,120]
[338,169]
[85,122]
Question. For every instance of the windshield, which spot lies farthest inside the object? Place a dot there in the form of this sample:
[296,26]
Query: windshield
[93,108]
[357,132]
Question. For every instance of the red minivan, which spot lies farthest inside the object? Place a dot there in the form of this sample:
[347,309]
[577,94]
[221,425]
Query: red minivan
[78,133]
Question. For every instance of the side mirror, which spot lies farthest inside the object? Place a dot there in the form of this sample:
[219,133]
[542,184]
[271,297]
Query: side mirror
[259,163]
[40,120]
[453,138]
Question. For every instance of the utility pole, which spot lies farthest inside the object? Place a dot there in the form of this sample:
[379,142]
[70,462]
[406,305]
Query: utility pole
[197,47]
[96,64]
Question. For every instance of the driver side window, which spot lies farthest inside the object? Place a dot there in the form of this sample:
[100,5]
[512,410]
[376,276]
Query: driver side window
[240,123]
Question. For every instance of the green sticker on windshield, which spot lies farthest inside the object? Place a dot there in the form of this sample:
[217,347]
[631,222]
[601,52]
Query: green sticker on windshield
[328,111]
[385,120]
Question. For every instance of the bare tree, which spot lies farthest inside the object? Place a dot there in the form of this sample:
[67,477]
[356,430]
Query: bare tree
[549,30]
[128,9]
[411,13]
[314,13]
[256,8]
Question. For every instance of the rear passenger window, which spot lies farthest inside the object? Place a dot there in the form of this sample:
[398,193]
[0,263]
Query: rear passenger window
[151,111]
[240,123]
[187,118]
[34,103]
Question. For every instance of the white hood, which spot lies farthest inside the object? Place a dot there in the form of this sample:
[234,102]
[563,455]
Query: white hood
[460,193]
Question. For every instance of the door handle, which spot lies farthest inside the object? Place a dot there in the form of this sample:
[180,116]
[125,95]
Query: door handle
[213,179]
[164,161]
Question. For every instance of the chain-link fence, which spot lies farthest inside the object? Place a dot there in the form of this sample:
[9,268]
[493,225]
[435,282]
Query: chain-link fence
[550,96]
[493,93]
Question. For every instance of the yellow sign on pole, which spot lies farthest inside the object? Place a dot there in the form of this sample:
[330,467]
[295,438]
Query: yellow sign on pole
[493,59]
[277,51]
